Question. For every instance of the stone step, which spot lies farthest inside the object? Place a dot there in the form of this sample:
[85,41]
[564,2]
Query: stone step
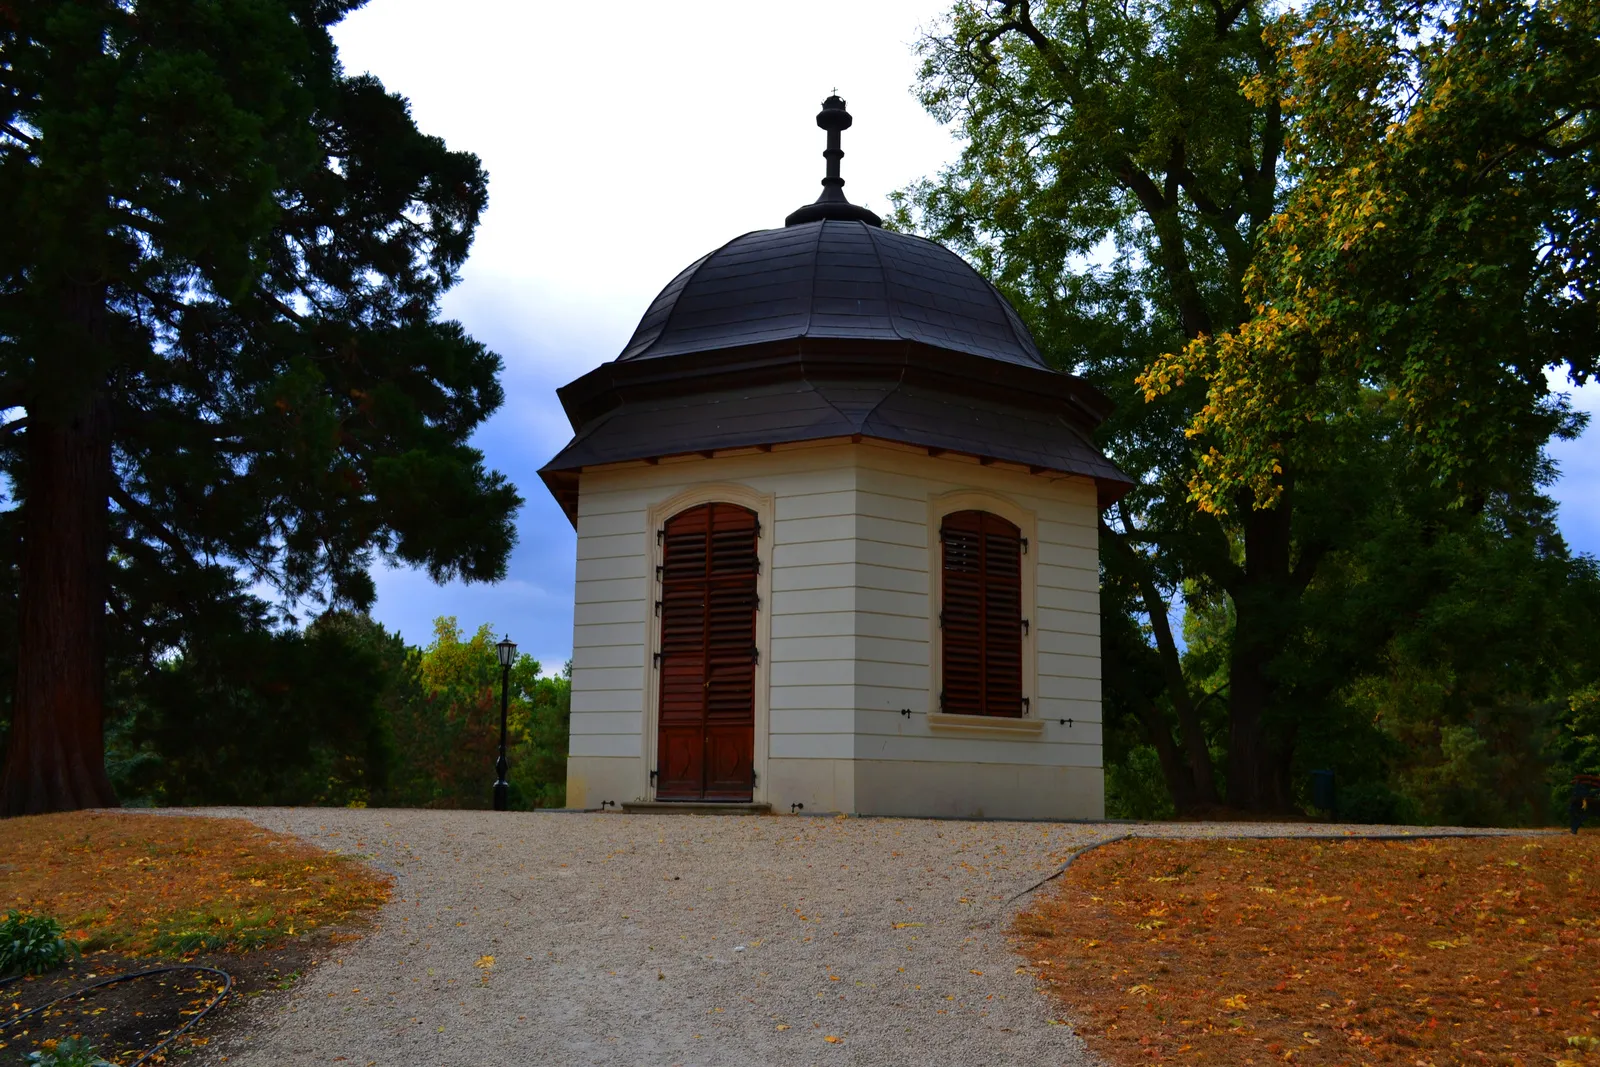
[667,807]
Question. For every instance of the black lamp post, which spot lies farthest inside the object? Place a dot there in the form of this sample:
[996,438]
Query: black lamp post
[507,649]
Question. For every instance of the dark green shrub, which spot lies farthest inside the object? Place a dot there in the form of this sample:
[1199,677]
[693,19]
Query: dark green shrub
[72,1052]
[1375,802]
[32,944]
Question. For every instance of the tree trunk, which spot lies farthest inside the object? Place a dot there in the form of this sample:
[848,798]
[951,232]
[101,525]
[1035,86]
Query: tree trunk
[1177,775]
[1258,755]
[55,755]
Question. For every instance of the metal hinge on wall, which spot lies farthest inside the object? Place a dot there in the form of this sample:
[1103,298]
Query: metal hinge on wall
[1024,627]
[1025,705]
[653,775]
[1024,546]
[657,658]
[755,655]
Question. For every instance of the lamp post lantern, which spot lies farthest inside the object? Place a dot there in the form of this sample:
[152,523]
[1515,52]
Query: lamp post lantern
[507,650]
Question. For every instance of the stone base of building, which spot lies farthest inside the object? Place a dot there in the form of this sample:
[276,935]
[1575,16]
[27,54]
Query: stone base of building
[937,789]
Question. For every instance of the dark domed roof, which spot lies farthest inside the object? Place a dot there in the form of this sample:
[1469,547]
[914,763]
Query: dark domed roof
[832,328]
[832,279]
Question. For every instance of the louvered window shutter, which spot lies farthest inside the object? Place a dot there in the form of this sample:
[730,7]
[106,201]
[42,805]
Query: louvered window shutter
[981,616]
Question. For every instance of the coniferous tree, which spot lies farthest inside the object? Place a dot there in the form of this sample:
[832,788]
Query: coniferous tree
[221,259]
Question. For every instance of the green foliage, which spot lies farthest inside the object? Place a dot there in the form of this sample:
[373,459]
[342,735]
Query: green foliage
[1167,191]
[446,734]
[1134,786]
[1375,802]
[69,1052]
[253,715]
[341,713]
[32,944]
[1437,250]
[1578,737]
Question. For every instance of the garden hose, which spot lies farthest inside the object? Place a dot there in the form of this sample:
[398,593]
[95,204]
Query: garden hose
[227,986]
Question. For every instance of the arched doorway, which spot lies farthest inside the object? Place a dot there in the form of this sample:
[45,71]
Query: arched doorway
[705,739]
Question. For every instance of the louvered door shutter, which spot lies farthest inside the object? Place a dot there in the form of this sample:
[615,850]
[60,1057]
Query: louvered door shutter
[981,615]
[680,736]
[731,653]
[705,739]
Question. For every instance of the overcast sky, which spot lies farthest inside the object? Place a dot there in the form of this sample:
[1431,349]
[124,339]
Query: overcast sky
[624,141]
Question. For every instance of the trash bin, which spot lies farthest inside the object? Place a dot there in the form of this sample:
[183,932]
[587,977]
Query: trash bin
[1323,795]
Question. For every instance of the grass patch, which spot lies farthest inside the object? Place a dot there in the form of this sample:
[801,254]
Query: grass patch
[176,885]
[1480,951]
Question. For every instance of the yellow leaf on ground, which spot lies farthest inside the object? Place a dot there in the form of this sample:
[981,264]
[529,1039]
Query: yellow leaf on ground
[485,962]
[832,1040]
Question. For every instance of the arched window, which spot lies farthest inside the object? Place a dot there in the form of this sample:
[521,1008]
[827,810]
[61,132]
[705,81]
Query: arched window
[981,615]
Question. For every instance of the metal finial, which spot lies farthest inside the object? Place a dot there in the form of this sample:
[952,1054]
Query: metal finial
[832,203]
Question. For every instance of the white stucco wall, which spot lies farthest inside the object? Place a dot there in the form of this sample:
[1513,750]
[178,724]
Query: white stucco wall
[849,555]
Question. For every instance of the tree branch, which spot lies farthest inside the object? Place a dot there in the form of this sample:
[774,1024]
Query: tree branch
[1227,16]
[144,518]
[31,143]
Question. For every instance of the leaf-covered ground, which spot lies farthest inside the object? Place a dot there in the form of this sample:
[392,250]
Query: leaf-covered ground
[1238,952]
[171,885]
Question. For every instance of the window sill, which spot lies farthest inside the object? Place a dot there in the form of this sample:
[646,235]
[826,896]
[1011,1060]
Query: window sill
[985,726]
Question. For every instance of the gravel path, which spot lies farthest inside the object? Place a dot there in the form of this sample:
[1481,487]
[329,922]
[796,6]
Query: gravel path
[645,940]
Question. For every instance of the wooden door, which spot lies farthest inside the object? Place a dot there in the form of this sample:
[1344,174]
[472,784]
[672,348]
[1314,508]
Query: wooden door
[705,738]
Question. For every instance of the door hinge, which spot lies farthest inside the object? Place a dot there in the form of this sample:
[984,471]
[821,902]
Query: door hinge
[658,656]
[658,609]
[755,655]
[1025,706]
[661,535]
[752,776]
[1024,627]
[660,569]
[653,775]
[1024,546]
[941,620]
